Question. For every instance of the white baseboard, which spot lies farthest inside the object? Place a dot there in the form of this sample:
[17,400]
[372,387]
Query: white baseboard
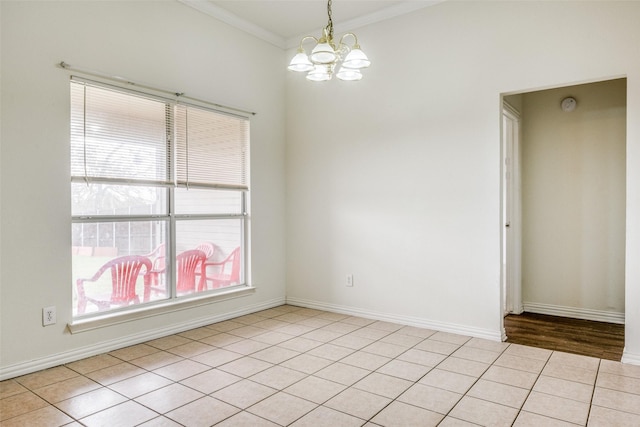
[50,361]
[631,359]
[576,313]
[404,320]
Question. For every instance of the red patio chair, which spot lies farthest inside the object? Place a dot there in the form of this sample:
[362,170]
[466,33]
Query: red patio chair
[189,272]
[158,259]
[209,250]
[189,266]
[124,275]
[228,270]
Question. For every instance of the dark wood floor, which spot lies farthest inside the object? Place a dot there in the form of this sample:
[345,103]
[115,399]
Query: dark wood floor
[586,337]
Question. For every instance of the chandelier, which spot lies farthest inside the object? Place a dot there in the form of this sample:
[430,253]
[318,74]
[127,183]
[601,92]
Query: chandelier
[326,56]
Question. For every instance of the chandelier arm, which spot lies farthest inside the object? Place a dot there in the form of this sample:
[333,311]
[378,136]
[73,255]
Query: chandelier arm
[300,48]
[355,38]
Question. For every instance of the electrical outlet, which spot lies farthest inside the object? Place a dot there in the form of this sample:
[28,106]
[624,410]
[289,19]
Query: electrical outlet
[349,280]
[49,316]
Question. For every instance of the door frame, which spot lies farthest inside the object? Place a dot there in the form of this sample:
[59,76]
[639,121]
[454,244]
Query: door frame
[511,241]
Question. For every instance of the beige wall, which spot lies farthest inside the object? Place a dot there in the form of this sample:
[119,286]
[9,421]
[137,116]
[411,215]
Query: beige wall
[573,198]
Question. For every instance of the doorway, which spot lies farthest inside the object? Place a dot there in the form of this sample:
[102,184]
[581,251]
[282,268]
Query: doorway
[511,204]
[564,202]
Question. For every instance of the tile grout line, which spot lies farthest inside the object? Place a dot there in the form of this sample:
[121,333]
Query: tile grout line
[471,386]
[532,387]
[193,338]
[593,392]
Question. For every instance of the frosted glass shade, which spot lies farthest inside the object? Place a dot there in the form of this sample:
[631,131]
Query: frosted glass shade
[300,62]
[323,53]
[356,59]
[349,74]
[320,73]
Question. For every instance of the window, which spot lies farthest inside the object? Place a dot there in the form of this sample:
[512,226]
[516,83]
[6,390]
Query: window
[159,196]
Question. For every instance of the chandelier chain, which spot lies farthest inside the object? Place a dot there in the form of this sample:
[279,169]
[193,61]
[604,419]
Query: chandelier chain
[330,24]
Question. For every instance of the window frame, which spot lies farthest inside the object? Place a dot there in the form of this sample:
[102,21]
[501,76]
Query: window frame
[171,219]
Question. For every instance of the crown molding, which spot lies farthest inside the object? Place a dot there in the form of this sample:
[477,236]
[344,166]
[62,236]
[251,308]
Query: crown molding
[240,23]
[234,20]
[371,18]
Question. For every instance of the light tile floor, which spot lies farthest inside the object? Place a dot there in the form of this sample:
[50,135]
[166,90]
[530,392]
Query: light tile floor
[302,367]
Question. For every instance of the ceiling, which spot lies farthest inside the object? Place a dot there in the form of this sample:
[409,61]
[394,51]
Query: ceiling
[284,22]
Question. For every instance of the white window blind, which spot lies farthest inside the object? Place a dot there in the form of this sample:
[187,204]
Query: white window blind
[123,137]
[118,136]
[211,148]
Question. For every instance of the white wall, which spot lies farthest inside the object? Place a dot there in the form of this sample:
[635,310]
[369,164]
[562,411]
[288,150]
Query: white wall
[163,44]
[573,200]
[396,179]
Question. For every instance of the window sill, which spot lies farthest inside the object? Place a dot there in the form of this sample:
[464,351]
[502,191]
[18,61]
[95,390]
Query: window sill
[84,325]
